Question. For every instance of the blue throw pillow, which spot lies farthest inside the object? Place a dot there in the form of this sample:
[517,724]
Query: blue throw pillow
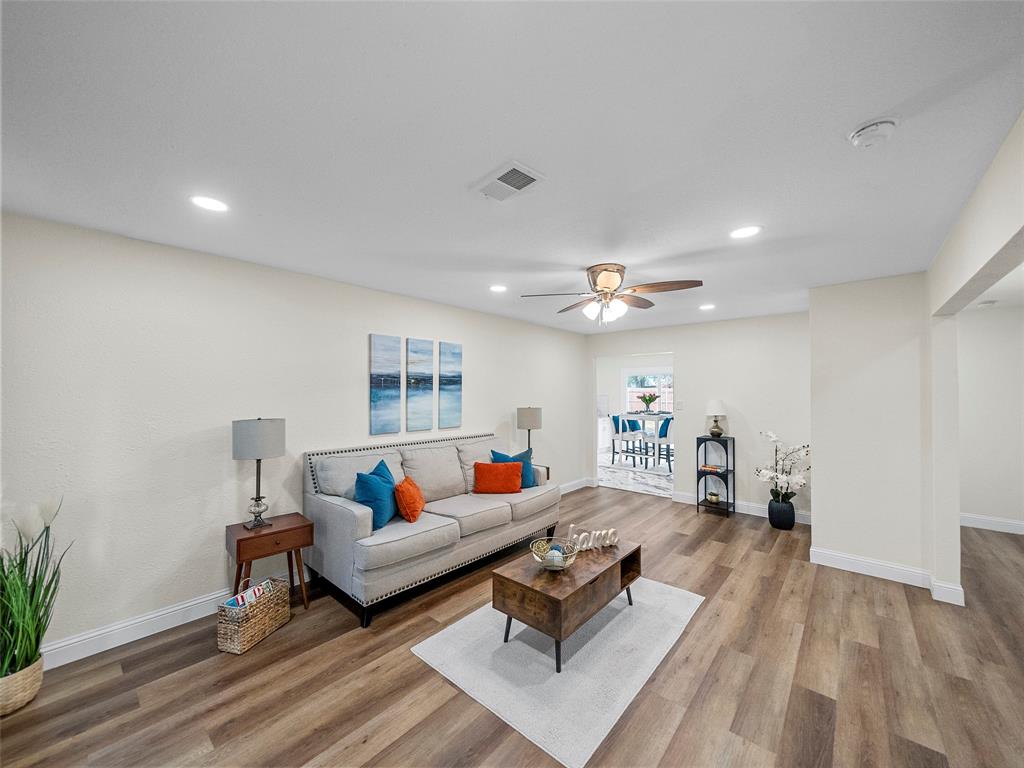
[663,431]
[633,425]
[526,458]
[377,491]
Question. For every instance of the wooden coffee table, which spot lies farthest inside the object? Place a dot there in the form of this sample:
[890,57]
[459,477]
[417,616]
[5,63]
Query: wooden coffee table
[558,603]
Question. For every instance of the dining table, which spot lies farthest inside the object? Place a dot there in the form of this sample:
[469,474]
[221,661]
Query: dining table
[653,417]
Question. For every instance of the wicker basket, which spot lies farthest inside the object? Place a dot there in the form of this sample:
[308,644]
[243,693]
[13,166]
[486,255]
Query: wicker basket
[239,629]
[19,689]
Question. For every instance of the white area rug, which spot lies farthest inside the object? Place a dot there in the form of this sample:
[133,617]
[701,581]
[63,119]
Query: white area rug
[604,665]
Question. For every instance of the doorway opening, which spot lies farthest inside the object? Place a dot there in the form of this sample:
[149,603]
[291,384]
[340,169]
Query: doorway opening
[635,415]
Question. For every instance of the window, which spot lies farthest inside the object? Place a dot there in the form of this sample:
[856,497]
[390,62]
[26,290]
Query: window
[658,383]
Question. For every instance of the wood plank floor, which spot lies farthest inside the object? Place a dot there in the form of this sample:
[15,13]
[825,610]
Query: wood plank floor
[785,664]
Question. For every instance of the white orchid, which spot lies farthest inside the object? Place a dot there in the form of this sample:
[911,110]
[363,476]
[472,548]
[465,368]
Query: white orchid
[786,472]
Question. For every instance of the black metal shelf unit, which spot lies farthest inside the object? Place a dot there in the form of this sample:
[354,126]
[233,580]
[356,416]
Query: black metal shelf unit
[725,485]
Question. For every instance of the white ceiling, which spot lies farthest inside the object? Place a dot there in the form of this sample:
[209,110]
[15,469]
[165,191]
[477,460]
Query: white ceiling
[346,138]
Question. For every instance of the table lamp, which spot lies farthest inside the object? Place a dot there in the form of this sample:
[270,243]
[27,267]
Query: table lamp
[716,408]
[257,439]
[528,419]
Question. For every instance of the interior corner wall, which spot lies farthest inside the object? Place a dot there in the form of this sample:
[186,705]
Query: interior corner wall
[124,363]
[991,374]
[759,367]
[869,423]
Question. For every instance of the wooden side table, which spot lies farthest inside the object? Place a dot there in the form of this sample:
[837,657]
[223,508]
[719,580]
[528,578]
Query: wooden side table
[287,533]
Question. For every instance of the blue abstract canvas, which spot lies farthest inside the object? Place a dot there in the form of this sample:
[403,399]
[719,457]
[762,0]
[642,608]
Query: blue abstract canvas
[449,394]
[385,384]
[419,384]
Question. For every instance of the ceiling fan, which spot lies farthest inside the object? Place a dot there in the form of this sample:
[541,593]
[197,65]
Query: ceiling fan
[606,300]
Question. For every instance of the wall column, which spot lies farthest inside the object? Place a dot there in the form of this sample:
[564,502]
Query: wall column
[944,531]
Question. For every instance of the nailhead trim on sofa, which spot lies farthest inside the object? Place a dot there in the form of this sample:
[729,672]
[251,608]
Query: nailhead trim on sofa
[310,455]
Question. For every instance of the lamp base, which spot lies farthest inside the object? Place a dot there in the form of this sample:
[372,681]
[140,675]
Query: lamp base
[716,430]
[256,509]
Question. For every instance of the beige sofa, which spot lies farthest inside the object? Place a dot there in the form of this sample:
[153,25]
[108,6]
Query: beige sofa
[455,528]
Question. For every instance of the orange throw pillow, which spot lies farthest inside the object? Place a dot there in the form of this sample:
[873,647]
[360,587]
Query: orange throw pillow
[409,498]
[497,478]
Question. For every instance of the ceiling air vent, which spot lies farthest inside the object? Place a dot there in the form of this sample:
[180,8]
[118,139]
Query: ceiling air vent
[508,180]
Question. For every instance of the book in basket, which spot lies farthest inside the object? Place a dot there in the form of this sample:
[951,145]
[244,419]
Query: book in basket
[250,616]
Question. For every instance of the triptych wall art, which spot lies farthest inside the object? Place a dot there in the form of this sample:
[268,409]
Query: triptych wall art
[386,384]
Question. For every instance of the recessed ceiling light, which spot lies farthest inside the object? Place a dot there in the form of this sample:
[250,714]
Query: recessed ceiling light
[707,307]
[739,234]
[209,203]
[873,133]
[498,288]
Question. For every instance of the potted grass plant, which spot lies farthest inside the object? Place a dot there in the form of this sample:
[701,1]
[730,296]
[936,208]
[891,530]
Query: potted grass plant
[29,579]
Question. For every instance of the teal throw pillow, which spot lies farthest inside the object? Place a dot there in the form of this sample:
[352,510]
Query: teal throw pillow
[525,458]
[377,491]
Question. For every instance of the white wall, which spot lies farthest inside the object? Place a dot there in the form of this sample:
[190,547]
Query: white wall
[759,367]
[869,400]
[611,373]
[125,363]
[991,370]
[987,241]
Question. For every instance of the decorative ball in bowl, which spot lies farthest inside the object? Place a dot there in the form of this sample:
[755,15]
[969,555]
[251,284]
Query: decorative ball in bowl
[553,553]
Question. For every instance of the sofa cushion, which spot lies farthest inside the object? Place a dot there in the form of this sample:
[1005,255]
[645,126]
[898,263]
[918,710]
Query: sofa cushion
[377,491]
[529,501]
[523,457]
[477,450]
[436,471]
[497,478]
[409,499]
[336,475]
[401,540]
[473,513]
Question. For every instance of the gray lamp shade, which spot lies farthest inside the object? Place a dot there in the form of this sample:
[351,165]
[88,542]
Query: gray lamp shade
[257,438]
[528,418]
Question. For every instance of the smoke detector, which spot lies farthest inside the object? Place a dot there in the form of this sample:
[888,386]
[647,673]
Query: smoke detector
[507,181]
[873,133]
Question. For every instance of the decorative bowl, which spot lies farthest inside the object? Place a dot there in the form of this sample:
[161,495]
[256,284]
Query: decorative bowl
[553,553]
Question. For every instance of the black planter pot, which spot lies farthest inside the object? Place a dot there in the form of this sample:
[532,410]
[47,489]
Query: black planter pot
[781,515]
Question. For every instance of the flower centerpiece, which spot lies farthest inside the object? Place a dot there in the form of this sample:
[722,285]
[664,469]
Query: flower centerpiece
[29,579]
[787,475]
[648,398]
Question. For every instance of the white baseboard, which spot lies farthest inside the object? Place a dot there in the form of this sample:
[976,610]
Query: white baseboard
[96,641]
[1001,524]
[60,652]
[743,507]
[945,592]
[904,574]
[575,485]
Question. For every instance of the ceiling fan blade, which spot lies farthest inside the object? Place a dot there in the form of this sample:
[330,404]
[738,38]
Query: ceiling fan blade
[668,285]
[535,295]
[577,305]
[635,301]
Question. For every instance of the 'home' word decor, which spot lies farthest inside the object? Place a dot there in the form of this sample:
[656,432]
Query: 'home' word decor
[593,539]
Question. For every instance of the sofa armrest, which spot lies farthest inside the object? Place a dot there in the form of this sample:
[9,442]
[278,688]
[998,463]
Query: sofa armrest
[355,519]
[541,473]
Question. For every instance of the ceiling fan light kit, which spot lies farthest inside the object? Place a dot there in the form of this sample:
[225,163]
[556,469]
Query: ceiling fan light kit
[605,302]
